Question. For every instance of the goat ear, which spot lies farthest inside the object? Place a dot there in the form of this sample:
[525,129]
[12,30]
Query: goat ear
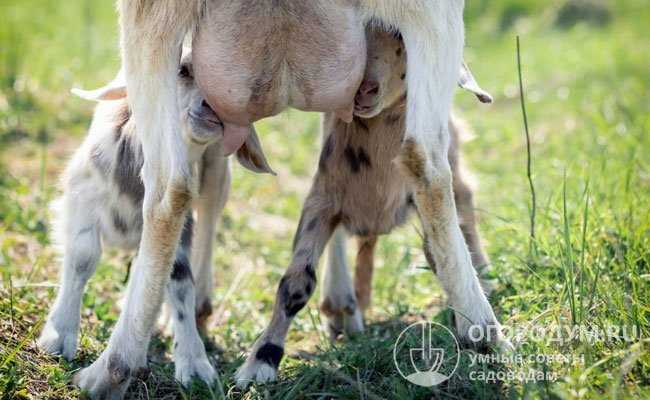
[102,94]
[115,90]
[467,82]
[251,156]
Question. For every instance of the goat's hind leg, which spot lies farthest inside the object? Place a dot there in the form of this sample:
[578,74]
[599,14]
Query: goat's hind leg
[464,198]
[433,34]
[339,303]
[446,249]
[190,358]
[445,246]
[82,248]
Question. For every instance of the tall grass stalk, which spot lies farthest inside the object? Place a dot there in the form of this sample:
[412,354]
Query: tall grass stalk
[568,263]
[583,251]
[529,159]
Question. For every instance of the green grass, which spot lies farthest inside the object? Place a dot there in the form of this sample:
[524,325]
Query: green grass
[588,103]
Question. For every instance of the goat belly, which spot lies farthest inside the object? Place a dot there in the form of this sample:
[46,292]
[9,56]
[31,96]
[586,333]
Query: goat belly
[254,59]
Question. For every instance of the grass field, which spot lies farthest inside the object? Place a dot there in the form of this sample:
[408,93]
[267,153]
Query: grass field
[587,85]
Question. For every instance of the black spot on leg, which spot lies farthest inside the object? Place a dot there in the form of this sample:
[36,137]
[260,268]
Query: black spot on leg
[181,272]
[181,316]
[181,269]
[403,77]
[410,200]
[292,302]
[271,354]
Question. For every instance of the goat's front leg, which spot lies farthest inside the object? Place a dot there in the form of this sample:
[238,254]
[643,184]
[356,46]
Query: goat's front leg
[295,289]
[151,38]
[433,34]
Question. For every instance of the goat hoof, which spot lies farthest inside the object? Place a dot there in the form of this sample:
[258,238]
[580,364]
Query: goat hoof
[106,378]
[484,334]
[255,371]
[189,367]
[58,341]
[342,317]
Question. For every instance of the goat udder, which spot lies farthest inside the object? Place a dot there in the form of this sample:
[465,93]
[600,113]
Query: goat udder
[234,137]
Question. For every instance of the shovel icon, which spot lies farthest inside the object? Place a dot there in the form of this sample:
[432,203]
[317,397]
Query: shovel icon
[431,358]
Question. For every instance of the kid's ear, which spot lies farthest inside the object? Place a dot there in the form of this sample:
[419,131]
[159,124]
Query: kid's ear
[467,82]
[115,90]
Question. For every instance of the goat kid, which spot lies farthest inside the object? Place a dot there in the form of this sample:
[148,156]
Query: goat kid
[359,186]
[358,180]
[102,205]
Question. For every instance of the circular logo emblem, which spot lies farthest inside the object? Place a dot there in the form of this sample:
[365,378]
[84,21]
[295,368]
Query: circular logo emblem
[426,353]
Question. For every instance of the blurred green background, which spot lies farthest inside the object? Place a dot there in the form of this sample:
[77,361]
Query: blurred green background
[586,67]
